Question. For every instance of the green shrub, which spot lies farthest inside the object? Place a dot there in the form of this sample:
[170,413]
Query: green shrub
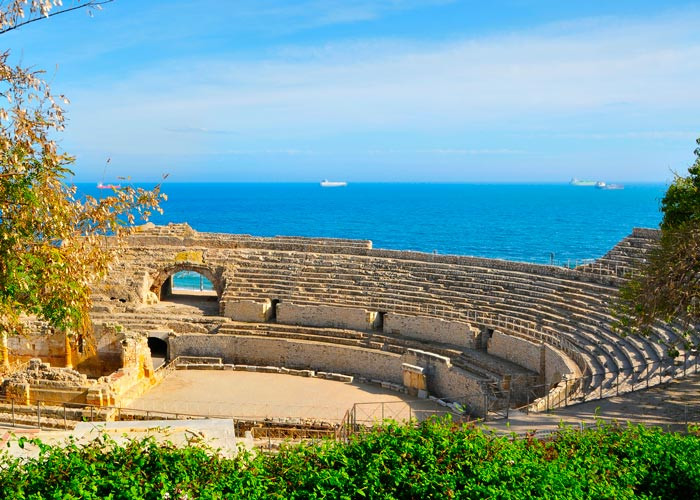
[436,459]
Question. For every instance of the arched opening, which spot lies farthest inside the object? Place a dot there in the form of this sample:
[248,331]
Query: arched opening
[187,289]
[159,351]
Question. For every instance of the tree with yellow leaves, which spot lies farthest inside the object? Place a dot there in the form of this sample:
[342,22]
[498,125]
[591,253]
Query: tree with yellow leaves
[52,242]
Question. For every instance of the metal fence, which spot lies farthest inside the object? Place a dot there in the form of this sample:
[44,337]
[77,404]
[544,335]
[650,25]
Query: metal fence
[606,384]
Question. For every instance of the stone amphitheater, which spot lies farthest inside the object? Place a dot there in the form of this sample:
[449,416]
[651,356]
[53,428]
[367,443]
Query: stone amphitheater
[486,333]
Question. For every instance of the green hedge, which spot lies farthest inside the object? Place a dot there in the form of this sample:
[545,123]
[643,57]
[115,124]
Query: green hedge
[435,460]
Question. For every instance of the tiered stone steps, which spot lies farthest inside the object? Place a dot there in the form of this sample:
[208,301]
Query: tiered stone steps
[564,307]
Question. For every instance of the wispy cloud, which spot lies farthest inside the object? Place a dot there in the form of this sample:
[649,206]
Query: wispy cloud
[649,66]
[587,80]
[642,135]
[449,152]
[284,16]
[271,152]
[198,130]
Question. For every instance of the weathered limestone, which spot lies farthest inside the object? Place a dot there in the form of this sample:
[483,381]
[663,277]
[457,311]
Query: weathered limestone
[431,329]
[517,350]
[558,366]
[263,351]
[249,310]
[39,342]
[42,382]
[326,316]
[549,362]
[331,282]
[442,378]
[542,317]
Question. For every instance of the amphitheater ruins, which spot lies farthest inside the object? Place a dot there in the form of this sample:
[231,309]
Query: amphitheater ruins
[486,333]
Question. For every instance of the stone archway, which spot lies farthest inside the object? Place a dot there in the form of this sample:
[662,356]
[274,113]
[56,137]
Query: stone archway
[160,277]
[199,302]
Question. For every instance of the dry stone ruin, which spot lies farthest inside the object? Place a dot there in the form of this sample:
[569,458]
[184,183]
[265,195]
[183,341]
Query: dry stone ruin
[480,331]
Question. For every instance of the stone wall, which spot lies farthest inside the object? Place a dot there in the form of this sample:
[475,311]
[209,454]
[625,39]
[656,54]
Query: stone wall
[551,363]
[446,380]
[298,354]
[156,250]
[326,316]
[642,232]
[105,356]
[181,235]
[344,283]
[40,381]
[256,311]
[443,379]
[516,350]
[47,345]
[431,329]
[558,366]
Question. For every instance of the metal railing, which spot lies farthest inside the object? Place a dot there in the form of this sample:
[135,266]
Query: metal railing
[609,383]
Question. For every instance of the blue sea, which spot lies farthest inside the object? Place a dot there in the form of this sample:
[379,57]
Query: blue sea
[531,223]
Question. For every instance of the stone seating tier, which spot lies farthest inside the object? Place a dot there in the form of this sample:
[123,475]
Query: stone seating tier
[572,305]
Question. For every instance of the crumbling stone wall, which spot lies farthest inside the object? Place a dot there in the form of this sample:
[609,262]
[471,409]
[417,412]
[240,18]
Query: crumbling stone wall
[158,251]
[254,311]
[39,342]
[40,381]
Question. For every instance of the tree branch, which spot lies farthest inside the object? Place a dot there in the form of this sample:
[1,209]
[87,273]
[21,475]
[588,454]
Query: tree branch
[89,4]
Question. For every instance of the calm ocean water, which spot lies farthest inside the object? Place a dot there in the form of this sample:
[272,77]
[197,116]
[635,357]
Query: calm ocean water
[508,221]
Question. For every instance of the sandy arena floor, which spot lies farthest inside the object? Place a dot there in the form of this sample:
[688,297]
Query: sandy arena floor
[250,394]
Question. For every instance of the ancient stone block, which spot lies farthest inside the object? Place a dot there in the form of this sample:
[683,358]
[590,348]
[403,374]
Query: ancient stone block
[325,316]
[431,329]
[248,310]
[193,256]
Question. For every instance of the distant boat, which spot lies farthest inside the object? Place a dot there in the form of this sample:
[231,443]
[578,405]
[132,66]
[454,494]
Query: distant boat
[614,186]
[333,184]
[576,182]
[603,185]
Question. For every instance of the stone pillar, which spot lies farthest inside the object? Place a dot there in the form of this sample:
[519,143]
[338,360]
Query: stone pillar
[69,354]
[4,352]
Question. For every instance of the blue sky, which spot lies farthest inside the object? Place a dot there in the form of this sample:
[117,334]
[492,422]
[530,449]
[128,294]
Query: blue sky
[383,90]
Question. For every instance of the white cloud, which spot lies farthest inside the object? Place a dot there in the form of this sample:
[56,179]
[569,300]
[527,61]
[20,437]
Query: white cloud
[284,16]
[621,74]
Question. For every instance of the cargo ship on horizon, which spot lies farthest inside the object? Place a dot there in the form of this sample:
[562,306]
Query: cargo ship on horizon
[329,184]
[576,182]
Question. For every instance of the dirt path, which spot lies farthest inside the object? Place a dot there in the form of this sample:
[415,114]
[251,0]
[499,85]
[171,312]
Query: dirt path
[671,405]
[257,395]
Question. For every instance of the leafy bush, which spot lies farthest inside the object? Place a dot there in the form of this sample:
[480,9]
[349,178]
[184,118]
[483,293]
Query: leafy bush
[435,460]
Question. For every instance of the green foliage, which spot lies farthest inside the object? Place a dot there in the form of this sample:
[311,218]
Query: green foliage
[681,204]
[667,286]
[434,460]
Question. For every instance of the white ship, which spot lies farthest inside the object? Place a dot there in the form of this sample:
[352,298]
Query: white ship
[603,185]
[333,184]
[578,182]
